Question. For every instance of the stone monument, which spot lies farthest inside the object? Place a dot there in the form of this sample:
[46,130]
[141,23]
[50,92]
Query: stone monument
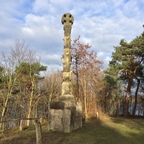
[67,97]
[66,114]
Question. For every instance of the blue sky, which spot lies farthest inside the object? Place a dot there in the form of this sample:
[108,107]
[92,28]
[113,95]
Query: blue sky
[101,23]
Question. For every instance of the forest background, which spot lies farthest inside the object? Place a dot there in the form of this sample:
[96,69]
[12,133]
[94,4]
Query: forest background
[27,88]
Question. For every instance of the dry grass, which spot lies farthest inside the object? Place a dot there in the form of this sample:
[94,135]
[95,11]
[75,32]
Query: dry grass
[107,130]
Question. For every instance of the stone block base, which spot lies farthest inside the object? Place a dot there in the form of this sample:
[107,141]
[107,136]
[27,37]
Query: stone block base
[66,119]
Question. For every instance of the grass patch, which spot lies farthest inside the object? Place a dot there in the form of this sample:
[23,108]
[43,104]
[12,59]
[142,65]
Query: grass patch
[107,130]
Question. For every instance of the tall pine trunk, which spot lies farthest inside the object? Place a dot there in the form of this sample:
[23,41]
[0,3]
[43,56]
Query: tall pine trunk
[136,93]
[127,98]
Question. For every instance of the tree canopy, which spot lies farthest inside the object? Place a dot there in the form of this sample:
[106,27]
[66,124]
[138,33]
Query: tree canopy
[127,64]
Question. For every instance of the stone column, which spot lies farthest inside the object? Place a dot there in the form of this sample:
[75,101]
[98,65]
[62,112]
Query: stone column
[65,115]
[66,96]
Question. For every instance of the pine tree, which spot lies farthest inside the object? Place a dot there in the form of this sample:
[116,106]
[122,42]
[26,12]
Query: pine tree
[127,63]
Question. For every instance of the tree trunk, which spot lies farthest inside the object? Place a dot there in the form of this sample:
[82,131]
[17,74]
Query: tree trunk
[29,113]
[136,92]
[77,79]
[127,99]
[4,109]
[85,98]
[30,100]
[21,125]
[49,101]
[76,72]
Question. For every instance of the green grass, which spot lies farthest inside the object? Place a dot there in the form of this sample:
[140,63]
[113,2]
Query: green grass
[107,130]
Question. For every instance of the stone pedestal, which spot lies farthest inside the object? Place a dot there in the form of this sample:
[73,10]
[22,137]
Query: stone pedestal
[65,119]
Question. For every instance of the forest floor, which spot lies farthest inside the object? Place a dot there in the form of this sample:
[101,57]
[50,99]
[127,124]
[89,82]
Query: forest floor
[107,130]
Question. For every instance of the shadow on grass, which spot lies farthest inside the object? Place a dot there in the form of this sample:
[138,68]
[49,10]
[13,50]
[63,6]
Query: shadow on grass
[93,132]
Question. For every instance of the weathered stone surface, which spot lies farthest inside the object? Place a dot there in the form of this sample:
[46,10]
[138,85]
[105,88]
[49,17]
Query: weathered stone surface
[67,42]
[65,115]
[63,103]
[78,118]
[66,76]
[57,105]
[66,120]
[55,120]
[60,120]
[68,100]
[66,88]
[67,21]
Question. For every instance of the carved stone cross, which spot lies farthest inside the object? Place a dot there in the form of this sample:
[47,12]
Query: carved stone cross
[67,21]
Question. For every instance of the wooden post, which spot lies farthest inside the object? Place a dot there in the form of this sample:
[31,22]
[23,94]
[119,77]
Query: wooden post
[38,131]
[97,115]
[21,125]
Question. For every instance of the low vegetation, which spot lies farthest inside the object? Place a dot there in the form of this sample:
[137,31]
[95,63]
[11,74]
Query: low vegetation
[107,130]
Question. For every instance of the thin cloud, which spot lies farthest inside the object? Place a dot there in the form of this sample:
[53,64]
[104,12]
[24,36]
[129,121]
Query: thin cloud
[100,23]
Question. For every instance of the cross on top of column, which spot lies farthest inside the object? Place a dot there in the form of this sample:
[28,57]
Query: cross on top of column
[67,19]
